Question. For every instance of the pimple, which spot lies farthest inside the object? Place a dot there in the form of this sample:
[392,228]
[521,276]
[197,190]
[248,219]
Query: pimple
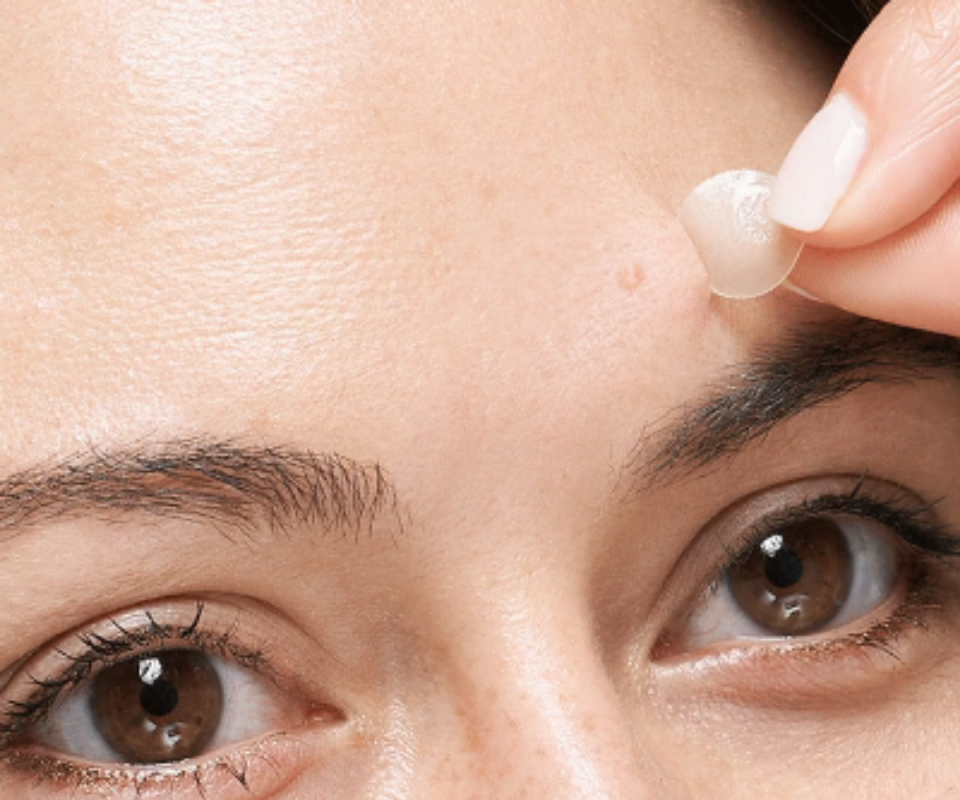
[631,277]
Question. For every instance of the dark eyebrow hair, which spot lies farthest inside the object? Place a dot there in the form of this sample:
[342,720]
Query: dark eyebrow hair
[807,367]
[220,483]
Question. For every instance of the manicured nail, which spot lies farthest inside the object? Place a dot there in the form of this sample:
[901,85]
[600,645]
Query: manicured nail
[820,166]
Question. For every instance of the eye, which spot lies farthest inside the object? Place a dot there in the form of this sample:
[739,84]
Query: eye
[800,578]
[161,707]
[180,699]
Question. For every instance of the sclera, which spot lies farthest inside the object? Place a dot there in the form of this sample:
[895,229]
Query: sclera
[745,253]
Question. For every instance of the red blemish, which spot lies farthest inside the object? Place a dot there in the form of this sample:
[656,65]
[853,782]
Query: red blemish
[631,277]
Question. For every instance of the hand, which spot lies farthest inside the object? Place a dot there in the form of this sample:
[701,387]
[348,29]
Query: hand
[872,183]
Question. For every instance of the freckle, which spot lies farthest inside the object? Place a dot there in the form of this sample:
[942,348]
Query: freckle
[489,191]
[631,277]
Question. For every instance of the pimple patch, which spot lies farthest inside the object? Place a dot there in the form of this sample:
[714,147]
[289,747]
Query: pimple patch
[744,252]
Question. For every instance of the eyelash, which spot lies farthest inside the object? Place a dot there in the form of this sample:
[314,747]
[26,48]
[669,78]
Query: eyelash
[928,540]
[898,511]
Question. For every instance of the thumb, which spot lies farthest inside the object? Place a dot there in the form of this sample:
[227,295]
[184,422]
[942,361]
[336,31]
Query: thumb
[886,146]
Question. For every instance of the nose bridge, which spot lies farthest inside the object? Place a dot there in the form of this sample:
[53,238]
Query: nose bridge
[535,715]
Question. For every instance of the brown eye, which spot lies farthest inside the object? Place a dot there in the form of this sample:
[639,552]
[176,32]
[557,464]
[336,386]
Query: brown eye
[805,577]
[158,708]
[796,580]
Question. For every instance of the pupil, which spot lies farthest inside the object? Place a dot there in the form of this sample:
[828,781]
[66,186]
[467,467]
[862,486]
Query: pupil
[160,698]
[784,568]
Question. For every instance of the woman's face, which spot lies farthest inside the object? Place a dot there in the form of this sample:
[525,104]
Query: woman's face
[370,431]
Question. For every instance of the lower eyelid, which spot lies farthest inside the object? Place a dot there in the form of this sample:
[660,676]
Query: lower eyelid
[821,673]
[260,769]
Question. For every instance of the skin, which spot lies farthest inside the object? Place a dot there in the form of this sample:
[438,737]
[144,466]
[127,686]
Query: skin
[440,238]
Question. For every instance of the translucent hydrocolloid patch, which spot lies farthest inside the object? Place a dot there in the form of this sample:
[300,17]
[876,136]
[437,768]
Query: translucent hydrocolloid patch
[745,253]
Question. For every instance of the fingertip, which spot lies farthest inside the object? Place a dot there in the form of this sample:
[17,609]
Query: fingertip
[820,166]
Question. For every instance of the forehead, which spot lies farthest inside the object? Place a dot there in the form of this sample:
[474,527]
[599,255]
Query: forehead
[219,215]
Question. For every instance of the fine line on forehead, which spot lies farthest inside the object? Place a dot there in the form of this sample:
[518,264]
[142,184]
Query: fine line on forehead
[807,367]
[222,484]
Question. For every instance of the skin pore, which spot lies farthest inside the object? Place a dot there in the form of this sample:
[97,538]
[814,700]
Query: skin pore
[357,347]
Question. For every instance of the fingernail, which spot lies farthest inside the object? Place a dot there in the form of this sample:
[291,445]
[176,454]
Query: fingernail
[820,166]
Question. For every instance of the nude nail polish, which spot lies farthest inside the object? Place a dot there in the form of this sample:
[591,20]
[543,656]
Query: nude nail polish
[820,166]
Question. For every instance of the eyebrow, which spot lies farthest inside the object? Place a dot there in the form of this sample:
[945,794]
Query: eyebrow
[807,367]
[244,487]
[219,483]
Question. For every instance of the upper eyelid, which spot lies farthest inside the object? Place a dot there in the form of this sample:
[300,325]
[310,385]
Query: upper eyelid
[895,510]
